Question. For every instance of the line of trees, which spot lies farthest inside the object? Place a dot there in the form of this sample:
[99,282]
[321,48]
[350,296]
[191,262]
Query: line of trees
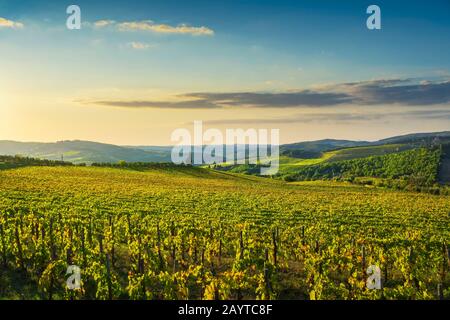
[21,161]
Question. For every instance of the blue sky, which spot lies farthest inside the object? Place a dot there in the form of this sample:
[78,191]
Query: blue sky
[412,33]
[77,80]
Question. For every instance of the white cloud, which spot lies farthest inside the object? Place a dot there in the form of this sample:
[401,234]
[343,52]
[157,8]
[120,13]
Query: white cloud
[149,25]
[5,23]
[140,45]
[104,23]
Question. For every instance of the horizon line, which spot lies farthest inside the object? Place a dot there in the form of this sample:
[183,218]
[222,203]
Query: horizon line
[171,145]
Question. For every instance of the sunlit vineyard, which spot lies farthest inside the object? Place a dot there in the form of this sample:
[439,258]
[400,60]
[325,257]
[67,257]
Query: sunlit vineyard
[191,233]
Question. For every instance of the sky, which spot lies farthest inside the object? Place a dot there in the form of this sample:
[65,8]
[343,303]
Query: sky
[138,70]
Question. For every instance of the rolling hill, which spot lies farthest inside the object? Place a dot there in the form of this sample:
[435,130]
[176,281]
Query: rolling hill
[418,138]
[314,149]
[84,152]
[292,156]
[392,158]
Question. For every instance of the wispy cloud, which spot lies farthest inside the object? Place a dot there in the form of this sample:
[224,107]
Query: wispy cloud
[150,26]
[367,93]
[5,23]
[300,118]
[404,92]
[337,117]
[103,23]
[136,104]
[165,28]
[140,45]
[443,114]
[305,98]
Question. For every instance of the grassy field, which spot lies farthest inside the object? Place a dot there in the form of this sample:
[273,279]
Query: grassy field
[184,232]
[363,152]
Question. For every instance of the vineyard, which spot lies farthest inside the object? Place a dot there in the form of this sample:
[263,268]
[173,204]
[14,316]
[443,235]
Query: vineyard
[194,233]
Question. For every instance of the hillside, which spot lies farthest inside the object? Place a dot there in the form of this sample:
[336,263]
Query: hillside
[355,149]
[83,151]
[418,138]
[416,162]
[293,157]
[418,167]
[77,151]
[314,149]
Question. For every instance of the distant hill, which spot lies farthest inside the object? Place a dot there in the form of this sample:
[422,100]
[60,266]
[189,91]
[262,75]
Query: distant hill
[313,149]
[294,154]
[83,152]
[418,138]
[161,149]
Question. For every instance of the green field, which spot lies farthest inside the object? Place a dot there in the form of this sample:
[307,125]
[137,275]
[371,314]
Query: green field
[363,152]
[180,232]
